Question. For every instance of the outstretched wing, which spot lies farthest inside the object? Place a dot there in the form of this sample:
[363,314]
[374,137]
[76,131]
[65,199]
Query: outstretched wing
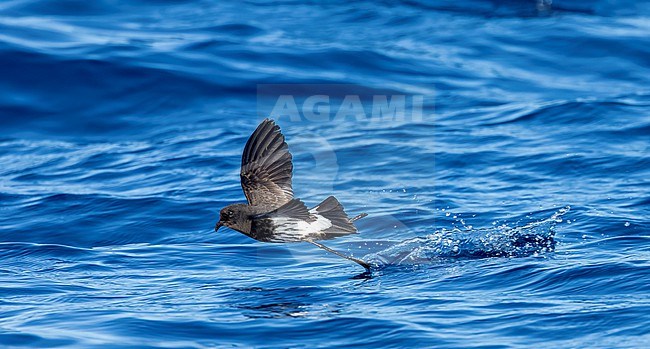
[266,167]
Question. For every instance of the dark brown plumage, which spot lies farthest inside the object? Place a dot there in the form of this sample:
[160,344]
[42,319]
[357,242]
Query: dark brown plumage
[272,214]
[266,167]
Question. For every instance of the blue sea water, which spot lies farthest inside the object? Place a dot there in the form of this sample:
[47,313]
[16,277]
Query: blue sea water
[513,214]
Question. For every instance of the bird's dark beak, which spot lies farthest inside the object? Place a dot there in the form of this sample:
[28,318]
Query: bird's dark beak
[219,225]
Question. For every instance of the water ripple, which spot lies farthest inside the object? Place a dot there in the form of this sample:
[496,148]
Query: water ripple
[123,124]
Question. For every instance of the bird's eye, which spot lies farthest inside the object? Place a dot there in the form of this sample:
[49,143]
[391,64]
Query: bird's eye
[229,213]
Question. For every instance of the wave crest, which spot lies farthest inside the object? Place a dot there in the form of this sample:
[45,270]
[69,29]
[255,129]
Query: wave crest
[502,241]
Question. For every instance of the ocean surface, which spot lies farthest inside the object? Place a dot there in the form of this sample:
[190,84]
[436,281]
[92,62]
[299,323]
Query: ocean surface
[508,207]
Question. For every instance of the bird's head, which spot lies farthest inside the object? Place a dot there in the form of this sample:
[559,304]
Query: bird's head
[232,216]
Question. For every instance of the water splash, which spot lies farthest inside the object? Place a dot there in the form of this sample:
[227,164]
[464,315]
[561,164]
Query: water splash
[502,241]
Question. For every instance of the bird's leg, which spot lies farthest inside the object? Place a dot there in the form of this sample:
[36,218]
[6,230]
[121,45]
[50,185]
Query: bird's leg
[359,216]
[356,260]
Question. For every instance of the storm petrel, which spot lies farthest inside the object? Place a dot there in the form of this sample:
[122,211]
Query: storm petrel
[272,213]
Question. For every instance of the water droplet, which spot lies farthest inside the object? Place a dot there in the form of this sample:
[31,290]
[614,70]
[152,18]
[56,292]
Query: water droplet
[627,224]
[446,214]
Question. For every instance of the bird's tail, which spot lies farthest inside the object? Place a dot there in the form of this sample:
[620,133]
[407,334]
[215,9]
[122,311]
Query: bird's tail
[333,211]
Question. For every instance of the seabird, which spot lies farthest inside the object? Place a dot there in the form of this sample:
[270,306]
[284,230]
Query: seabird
[272,214]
